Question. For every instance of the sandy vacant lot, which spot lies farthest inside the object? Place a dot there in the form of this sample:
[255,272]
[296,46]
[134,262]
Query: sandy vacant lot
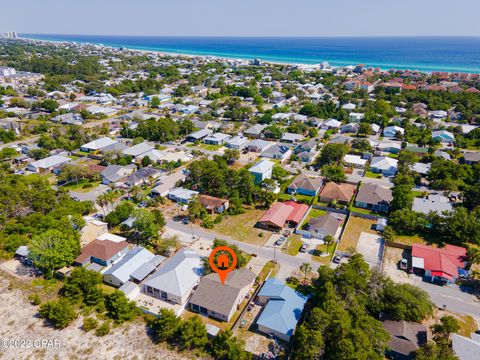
[18,321]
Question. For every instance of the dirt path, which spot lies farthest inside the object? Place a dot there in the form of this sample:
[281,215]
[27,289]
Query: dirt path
[18,321]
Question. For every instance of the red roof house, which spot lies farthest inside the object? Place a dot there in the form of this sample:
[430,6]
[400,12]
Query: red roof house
[439,263]
[280,214]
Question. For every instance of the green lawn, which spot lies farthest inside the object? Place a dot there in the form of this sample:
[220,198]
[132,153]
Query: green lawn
[266,268]
[418,194]
[366,211]
[294,245]
[241,227]
[372,175]
[82,185]
[321,249]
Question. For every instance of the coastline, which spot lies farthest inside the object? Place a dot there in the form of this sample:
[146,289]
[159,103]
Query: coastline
[114,42]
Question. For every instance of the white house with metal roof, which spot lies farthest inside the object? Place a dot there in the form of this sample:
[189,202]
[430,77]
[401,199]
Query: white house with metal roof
[262,170]
[98,144]
[176,278]
[48,164]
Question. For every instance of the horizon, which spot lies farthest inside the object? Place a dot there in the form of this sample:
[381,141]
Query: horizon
[272,18]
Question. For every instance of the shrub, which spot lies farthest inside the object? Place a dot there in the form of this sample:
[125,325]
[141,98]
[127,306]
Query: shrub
[35,299]
[104,329]
[89,324]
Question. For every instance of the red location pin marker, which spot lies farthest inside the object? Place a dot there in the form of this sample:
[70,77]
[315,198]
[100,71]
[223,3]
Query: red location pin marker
[220,264]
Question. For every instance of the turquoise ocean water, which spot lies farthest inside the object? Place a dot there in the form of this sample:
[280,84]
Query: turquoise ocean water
[453,54]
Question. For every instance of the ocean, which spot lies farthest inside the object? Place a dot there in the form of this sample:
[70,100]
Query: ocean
[452,54]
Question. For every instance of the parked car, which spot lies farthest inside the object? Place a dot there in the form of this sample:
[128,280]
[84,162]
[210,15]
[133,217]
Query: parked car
[403,264]
[280,241]
[337,259]
[304,248]
[185,221]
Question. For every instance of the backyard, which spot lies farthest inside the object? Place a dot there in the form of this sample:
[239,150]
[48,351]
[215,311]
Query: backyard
[313,213]
[82,185]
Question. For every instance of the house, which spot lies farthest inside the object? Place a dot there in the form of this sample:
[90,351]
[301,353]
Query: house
[354,160]
[374,197]
[221,301]
[258,145]
[145,175]
[92,230]
[420,168]
[213,204]
[181,195]
[442,264]
[466,348]
[321,226]
[120,272]
[199,135]
[350,128]
[137,151]
[405,338]
[304,185]
[166,183]
[282,213]
[216,139]
[356,117]
[331,124]
[291,138]
[97,145]
[340,139]
[176,278]
[277,151]
[282,309]
[48,164]
[392,147]
[471,157]
[237,142]
[391,131]
[443,136]
[102,252]
[261,170]
[433,203]
[22,254]
[306,146]
[307,156]
[115,174]
[69,119]
[341,193]
[255,131]
[384,165]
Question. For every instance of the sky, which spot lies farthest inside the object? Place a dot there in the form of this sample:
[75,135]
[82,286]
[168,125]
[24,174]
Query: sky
[242,17]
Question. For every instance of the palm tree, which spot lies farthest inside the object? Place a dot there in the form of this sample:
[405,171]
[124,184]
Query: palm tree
[102,201]
[305,268]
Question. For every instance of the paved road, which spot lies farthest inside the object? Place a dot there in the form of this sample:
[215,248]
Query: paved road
[455,300]
[267,253]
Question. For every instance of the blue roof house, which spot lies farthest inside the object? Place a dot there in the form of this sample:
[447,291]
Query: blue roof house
[282,311]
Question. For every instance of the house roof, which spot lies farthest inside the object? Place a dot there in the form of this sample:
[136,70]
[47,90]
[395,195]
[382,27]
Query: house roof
[99,143]
[200,134]
[354,159]
[374,194]
[405,337]
[472,156]
[431,204]
[284,307]
[179,274]
[276,150]
[339,192]
[384,163]
[329,223]
[135,258]
[255,129]
[51,161]
[445,260]
[146,268]
[279,213]
[101,249]
[304,182]
[211,202]
[114,173]
[466,348]
[138,149]
[218,297]
[260,144]
[262,166]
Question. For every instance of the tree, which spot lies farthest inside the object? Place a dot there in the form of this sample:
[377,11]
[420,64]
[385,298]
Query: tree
[144,225]
[473,256]
[331,153]
[225,346]
[433,351]
[328,240]
[442,331]
[166,325]
[305,268]
[54,249]
[50,105]
[192,334]
[402,197]
[231,155]
[364,129]
[334,173]
[83,285]
[155,102]
[146,161]
[60,313]
[119,307]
